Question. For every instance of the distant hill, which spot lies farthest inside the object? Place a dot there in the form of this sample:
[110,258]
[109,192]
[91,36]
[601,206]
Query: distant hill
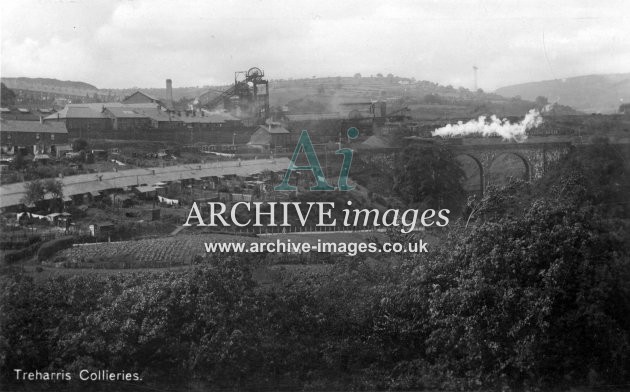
[50,85]
[333,96]
[590,94]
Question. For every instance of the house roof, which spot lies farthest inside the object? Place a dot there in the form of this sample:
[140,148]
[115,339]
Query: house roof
[141,93]
[32,127]
[274,129]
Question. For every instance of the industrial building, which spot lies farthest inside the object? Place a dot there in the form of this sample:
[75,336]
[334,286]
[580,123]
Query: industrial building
[247,98]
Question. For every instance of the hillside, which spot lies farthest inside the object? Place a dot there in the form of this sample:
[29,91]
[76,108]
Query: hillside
[50,85]
[337,96]
[591,93]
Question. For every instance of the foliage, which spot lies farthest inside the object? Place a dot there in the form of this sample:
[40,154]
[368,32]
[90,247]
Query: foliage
[54,187]
[51,247]
[34,192]
[535,295]
[527,295]
[80,145]
[8,96]
[429,176]
[15,255]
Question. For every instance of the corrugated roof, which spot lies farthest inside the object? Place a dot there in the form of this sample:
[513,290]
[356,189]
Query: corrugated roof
[32,127]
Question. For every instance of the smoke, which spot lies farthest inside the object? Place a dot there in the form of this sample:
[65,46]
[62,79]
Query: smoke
[493,127]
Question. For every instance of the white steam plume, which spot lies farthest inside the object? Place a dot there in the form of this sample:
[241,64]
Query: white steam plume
[495,127]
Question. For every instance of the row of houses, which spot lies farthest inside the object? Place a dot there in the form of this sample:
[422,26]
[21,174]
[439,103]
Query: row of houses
[38,138]
[24,113]
[33,137]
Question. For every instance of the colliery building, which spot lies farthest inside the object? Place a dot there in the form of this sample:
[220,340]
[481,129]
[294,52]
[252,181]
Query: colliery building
[144,120]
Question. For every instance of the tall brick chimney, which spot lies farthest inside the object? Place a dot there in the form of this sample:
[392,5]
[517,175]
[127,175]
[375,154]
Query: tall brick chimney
[169,94]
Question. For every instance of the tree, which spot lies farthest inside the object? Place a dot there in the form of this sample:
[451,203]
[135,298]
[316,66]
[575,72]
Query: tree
[34,192]
[540,298]
[429,175]
[541,101]
[80,145]
[7,97]
[433,99]
[54,187]
[357,75]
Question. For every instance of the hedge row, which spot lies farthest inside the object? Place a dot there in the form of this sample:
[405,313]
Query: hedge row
[51,247]
[12,256]
[20,243]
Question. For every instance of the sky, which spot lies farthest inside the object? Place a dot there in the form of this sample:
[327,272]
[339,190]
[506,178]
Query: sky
[140,43]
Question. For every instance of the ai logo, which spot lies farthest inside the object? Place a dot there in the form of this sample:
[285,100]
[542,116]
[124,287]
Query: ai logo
[305,144]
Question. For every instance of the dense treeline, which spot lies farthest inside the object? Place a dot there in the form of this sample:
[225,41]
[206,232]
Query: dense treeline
[533,293]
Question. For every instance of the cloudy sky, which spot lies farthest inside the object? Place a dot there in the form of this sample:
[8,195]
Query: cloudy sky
[139,43]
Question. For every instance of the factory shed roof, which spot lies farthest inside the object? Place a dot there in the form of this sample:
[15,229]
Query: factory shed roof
[124,112]
[75,112]
[95,110]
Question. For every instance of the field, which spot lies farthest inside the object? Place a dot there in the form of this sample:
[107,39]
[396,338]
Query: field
[177,250]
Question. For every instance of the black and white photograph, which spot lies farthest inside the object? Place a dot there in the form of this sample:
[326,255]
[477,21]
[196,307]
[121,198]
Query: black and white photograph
[310,196]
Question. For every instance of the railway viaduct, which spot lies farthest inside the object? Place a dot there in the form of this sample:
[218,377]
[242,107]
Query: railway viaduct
[536,156]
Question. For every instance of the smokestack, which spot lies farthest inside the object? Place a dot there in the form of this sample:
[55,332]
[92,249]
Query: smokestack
[169,94]
[475,76]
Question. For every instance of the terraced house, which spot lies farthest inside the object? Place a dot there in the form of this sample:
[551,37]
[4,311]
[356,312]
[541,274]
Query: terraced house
[33,137]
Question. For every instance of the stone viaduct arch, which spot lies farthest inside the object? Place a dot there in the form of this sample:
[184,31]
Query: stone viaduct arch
[535,156]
